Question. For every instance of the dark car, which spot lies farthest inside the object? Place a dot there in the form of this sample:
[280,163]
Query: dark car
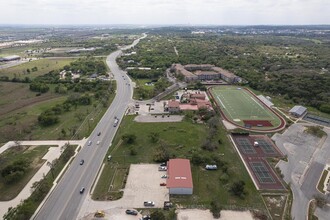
[146,217]
[149,203]
[82,162]
[82,190]
[131,212]
[98,134]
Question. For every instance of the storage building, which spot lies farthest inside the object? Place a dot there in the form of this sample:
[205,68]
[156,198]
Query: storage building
[179,180]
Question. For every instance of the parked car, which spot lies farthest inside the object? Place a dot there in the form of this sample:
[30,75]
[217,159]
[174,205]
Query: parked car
[211,167]
[167,205]
[149,203]
[162,184]
[162,168]
[146,217]
[164,176]
[163,164]
[131,212]
[82,190]
[82,162]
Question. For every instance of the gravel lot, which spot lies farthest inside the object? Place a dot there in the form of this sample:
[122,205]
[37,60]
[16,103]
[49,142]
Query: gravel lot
[195,214]
[142,185]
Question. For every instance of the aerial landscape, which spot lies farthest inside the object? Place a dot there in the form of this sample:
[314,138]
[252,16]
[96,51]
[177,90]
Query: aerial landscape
[165,110]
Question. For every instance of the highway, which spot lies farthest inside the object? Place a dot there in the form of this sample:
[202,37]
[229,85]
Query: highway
[65,201]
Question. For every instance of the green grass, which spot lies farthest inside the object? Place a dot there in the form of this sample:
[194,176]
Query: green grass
[44,66]
[239,104]
[33,154]
[321,182]
[22,123]
[141,83]
[182,140]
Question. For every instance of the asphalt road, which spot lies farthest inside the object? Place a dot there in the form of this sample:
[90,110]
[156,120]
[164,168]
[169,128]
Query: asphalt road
[65,201]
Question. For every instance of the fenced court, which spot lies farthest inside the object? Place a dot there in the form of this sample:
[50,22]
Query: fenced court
[242,108]
[262,172]
[254,150]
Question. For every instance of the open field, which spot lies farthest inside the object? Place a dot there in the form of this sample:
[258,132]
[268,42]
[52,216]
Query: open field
[242,108]
[172,136]
[21,122]
[33,154]
[44,66]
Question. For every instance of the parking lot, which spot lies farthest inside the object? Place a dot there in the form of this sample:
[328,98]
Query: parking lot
[143,184]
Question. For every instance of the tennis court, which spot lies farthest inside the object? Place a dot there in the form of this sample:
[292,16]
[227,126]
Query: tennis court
[245,145]
[262,172]
[265,146]
[241,107]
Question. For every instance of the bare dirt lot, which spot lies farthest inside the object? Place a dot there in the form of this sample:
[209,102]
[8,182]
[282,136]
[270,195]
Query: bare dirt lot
[196,214]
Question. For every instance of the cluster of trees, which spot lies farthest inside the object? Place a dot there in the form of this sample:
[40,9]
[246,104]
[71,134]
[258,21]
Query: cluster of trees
[40,189]
[87,65]
[145,74]
[51,116]
[39,87]
[15,171]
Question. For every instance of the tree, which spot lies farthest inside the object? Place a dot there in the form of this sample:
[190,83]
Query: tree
[215,209]
[237,188]
[129,138]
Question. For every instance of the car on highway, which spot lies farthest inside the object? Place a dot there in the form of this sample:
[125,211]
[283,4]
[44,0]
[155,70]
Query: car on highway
[131,212]
[98,134]
[82,162]
[149,203]
[82,190]
[89,143]
[98,142]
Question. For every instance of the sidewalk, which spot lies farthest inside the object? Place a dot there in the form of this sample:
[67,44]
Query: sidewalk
[52,154]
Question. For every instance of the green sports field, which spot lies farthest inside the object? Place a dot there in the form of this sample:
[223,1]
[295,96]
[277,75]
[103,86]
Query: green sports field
[238,104]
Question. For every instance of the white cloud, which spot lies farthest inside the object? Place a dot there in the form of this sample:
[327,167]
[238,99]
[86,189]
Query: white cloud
[165,12]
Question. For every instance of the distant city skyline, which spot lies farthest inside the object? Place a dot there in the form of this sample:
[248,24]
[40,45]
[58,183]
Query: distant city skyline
[166,12]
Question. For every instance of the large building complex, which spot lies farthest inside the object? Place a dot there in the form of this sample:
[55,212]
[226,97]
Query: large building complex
[193,72]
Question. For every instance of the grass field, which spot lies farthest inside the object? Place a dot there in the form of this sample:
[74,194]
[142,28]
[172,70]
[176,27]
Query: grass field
[174,137]
[33,154]
[44,66]
[238,104]
[19,118]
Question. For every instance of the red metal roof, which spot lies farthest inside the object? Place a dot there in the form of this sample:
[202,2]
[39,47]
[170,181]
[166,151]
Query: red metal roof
[179,174]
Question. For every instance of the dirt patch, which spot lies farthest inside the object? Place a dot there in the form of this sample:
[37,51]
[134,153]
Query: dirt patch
[197,214]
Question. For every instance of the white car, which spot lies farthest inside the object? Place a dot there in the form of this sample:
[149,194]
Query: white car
[89,143]
[98,142]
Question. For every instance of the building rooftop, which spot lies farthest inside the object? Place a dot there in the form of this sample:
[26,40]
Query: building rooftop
[173,104]
[224,72]
[179,174]
[298,109]
[206,73]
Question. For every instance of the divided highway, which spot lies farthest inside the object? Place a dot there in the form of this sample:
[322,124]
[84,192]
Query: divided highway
[65,201]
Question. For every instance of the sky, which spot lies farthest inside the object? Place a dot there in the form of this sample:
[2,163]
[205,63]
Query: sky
[164,12]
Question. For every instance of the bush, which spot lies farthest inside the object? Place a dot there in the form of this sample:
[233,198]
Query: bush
[237,188]
[129,138]
[215,209]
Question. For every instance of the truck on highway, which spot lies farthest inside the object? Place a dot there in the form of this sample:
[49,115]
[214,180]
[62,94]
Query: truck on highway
[115,122]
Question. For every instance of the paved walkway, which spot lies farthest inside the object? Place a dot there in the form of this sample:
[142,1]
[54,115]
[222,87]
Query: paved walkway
[52,154]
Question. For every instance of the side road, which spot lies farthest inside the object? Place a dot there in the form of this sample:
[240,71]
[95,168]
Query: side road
[52,154]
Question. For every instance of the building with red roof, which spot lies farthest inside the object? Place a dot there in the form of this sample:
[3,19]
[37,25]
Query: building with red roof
[179,180]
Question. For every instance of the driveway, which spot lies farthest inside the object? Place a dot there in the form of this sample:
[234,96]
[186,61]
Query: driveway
[142,185]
